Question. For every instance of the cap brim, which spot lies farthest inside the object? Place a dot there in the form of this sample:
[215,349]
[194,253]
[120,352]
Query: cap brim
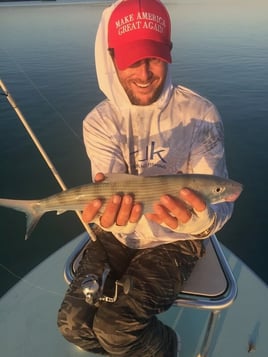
[130,53]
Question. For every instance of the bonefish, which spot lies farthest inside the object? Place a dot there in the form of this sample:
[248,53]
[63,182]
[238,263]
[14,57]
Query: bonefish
[145,190]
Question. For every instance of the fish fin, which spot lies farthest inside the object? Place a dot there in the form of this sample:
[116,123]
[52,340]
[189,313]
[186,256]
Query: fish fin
[32,221]
[115,177]
[31,208]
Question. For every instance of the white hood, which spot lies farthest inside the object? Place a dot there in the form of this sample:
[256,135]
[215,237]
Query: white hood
[163,138]
[106,73]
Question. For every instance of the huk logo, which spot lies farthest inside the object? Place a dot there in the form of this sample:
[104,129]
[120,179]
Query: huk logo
[150,157]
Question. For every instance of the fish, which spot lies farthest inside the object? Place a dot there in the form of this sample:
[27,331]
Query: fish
[145,189]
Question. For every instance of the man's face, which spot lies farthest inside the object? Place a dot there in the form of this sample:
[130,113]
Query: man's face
[144,80]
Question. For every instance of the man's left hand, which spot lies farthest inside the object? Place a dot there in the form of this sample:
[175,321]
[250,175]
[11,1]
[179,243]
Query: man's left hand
[174,212]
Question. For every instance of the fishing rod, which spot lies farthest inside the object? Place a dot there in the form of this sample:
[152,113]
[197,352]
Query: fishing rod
[37,143]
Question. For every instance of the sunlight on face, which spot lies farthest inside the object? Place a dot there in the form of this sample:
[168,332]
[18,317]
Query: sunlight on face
[144,80]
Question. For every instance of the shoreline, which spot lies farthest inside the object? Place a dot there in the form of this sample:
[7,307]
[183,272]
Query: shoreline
[26,3]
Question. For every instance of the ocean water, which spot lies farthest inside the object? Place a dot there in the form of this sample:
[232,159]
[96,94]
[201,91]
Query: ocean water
[47,63]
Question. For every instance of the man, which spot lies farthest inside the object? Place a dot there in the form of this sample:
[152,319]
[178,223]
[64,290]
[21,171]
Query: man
[146,126]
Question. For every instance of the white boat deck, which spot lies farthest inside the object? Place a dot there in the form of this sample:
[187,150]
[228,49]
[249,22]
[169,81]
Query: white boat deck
[28,314]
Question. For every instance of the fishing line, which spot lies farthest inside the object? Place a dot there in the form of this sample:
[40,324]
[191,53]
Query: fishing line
[54,172]
[20,278]
[43,154]
[32,285]
[32,83]
[45,157]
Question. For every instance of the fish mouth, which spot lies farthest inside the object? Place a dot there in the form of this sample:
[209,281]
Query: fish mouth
[233,196]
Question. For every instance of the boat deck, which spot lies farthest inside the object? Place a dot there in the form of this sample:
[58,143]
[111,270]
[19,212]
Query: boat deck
[28,315]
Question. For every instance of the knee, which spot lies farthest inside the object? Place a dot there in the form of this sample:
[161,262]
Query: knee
[72,321]
[74,318]
[68,326]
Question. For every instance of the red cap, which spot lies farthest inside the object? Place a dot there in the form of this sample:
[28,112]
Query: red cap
[139,29]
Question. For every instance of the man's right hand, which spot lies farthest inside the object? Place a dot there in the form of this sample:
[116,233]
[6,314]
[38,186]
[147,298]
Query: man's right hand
[120,210]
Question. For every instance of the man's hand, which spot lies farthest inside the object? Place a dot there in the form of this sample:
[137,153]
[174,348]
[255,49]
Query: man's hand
[119,209]
[177,212]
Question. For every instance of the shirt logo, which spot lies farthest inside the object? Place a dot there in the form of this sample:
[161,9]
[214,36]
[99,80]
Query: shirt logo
[151,156]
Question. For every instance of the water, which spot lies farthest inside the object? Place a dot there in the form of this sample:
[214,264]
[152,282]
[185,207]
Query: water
[47,62]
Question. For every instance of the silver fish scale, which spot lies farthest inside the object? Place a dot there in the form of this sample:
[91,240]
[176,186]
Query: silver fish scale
[145,190]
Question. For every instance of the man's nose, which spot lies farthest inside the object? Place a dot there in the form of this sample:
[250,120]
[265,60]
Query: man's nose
[145,69]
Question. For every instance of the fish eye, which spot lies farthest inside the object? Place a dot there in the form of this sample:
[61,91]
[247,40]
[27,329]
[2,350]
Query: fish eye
[219,189]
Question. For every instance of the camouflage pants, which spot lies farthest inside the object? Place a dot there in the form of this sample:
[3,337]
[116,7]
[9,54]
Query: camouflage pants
[128,326]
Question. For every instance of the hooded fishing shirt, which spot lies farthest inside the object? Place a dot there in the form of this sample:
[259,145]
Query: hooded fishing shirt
[179,133]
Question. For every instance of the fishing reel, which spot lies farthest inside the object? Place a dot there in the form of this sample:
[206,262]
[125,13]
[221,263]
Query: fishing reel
[93,287]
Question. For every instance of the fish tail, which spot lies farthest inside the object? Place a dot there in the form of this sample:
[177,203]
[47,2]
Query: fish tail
[31,208]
